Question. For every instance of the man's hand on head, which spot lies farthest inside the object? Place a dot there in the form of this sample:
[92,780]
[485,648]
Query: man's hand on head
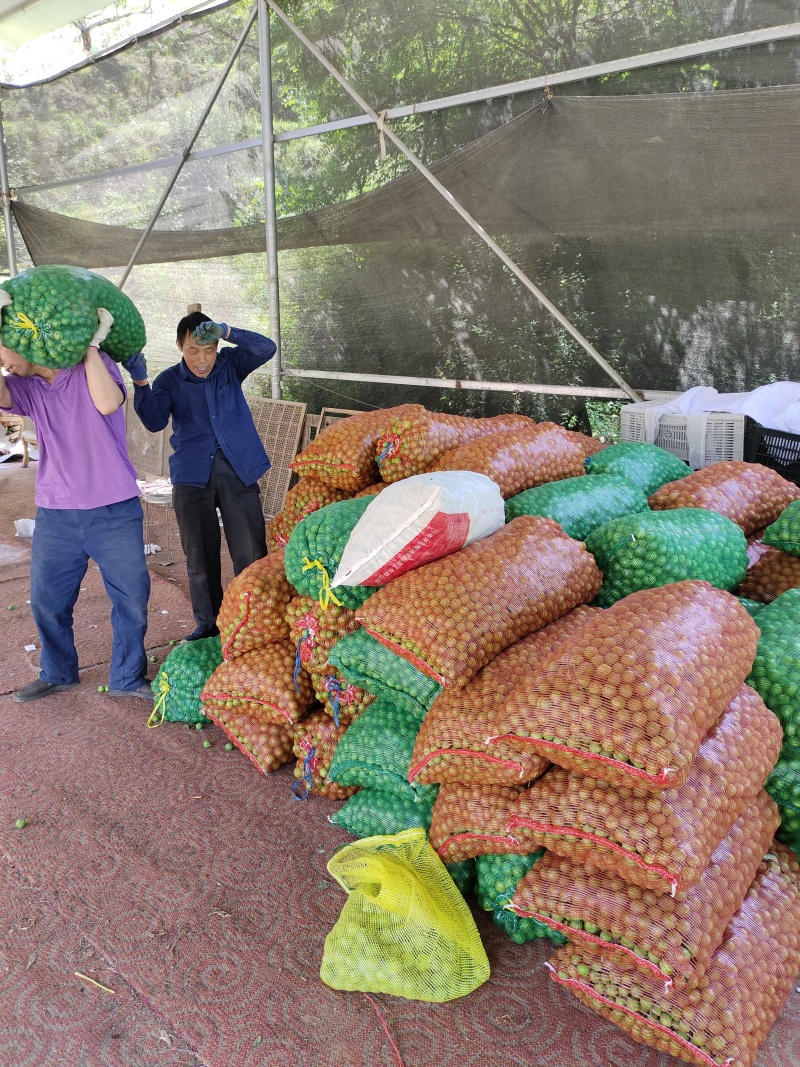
[208,333]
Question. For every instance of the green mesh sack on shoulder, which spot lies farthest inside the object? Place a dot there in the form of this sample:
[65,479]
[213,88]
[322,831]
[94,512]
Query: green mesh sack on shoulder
[497,877]
[53,316]
[374,812]
[776,671]
[784,533]
[368,664]
[783,785]
[463,874]
[752,607]
[315,549]
[648,467]
[179,683]
[656,548]
[580,505]
[375,752]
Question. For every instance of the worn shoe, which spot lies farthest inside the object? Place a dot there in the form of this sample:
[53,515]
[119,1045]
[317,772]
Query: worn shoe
[38,689]
[199,634]
[143,692]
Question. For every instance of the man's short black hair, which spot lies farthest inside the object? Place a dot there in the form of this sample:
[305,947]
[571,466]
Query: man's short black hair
[189,324]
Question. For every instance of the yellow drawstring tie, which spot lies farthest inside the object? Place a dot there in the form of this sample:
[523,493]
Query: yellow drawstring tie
[22,322]
[326,594]
[163,686]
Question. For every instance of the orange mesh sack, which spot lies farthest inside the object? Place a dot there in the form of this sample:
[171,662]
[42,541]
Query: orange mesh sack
[452,744]
[630,697]
[415,438]
[340,699]
[727,1016]
[749,493]
[267,744]
[590,446]
[262,681]
[405,928]
[315,631]
[452,617]
[278,534]
[314,743]
[660,841]
[253,608]
[471,820]
[303,499]
[343,456]
[772,573]
[372,490]
[671,938]
[519,459]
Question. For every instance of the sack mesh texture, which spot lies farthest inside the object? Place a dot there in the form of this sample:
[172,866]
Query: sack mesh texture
[278,534]
[776,670]
[452,744]
[265,742]
[645,466]
[660,841]
[370,666]
[375,811]
[752,607]
[253,608]
[580,505]
[53,316]
[784,533]
[262,681]
[497,878]
[771,575]
[314,552]
[452,617]
[464,875]
[340,699]
[658,547]
[315,631]
[519,459]
[783,785]
[752,495]
[671,938]
[314,742]
[727,1016]
[372,490]
[179,683]
[472,820]
[631,696]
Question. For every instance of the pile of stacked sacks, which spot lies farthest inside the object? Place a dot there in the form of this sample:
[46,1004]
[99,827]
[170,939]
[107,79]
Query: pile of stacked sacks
[560,702]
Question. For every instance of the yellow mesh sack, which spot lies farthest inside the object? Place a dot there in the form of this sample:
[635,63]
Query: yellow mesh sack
[405,928]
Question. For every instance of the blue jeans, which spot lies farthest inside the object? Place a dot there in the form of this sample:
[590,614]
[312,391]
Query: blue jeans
[63,543]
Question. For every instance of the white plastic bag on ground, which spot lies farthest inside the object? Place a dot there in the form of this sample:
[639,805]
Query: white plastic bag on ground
[416,521]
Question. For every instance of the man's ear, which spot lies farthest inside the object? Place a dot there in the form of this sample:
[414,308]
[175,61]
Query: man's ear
[178,346]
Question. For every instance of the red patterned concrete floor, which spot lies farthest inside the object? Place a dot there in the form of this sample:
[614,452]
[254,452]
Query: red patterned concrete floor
[196,892]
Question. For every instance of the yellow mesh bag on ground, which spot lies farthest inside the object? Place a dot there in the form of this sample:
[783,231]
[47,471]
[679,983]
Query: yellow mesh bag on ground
[405,928]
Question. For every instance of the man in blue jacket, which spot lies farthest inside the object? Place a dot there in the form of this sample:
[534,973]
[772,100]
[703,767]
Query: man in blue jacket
[218,456]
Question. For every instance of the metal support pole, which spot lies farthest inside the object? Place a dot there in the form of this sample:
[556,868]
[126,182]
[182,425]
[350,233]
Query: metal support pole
[457,206]
[5,193]
[185,154]
[270,212]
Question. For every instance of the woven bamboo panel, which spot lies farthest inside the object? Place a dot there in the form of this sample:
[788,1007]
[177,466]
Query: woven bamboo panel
[280,426]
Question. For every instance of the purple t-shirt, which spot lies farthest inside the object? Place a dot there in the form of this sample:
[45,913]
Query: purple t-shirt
[83,455]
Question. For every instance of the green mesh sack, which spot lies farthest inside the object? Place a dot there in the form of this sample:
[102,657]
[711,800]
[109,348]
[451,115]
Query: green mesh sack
[776,671]
[53,316]
[656,548]
[315,549]
[580,505]
[368,664]
[463,874]
[752,607]
[784,533]
[179,683]
[646,466]
[497,878]
[375,752]
[522,929]
[374,812]
[783,785]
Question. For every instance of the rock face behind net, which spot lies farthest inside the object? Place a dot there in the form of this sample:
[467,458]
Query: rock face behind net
[452,617]
[254,607]
[752,495]
[727,1016]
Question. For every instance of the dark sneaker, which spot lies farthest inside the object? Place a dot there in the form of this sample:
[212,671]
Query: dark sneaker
[143,692]
[38,689]
[200,634]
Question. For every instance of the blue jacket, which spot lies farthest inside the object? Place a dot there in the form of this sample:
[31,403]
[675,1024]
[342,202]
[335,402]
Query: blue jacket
[209,413]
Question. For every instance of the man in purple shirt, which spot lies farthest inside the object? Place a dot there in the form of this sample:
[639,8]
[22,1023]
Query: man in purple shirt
[88,507]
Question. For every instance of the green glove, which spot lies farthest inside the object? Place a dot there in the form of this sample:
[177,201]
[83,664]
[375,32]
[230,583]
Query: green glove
[208,333]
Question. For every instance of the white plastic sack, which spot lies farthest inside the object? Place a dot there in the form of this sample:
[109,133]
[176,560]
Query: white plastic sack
[416,521]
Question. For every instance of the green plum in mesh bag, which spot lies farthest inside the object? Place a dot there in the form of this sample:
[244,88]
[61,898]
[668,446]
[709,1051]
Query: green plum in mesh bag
[580,505]
[376,812]
[497,879]
[652,549]
[463,874]
[179,683]
[368,664]
[648,467]
[783,785]
[784,533]
[776,670]
[315,549]
[752,607]
[53,316]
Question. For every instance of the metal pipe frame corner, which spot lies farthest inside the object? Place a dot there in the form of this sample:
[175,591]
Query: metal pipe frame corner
[270,209]
[5,194]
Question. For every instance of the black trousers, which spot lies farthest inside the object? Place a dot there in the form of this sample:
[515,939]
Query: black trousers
[245,532]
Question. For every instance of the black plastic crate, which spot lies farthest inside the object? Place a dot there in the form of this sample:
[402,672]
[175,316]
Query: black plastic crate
[776,449]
